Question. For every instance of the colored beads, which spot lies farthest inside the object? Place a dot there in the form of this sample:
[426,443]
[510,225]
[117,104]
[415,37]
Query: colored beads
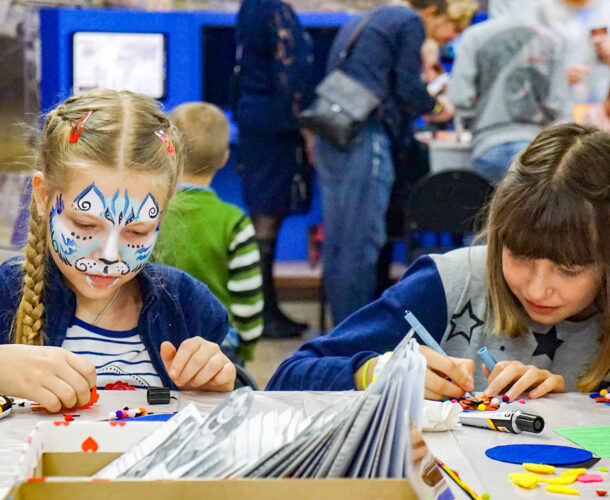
[127,413]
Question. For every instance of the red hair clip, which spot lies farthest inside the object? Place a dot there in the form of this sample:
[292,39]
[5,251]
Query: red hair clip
[78,127]
[167,141]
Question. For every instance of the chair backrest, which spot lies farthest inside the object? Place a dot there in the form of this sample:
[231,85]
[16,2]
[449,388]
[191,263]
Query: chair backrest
[447,201]
[243,378]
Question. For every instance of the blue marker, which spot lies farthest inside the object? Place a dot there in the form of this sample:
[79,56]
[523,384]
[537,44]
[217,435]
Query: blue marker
[424,334]
[426,337]
[487,358]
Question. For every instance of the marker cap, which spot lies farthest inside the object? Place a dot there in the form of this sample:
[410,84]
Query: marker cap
[529,423]
[157,395]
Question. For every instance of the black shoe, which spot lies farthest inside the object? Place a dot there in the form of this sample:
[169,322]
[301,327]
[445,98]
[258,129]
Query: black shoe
[274,329]
[297,325]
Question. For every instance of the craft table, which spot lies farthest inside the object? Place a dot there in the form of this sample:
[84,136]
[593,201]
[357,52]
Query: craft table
[462,450]
[445,152]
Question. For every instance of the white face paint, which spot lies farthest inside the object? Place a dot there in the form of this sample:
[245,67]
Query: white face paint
[104,236]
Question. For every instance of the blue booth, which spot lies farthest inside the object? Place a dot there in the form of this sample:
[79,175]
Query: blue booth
[198,56]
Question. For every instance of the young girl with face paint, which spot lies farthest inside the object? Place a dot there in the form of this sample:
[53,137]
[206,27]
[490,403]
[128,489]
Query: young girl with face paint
[84,307]
[536,295]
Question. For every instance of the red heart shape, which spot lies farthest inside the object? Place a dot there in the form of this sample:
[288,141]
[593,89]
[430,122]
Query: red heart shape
[120,424]
[89,444]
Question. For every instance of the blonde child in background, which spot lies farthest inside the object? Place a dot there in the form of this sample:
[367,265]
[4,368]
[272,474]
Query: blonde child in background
[83,307]
[211,239]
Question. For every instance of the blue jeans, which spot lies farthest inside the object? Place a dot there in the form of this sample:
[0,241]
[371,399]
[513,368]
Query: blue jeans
[493,163]
[355,185]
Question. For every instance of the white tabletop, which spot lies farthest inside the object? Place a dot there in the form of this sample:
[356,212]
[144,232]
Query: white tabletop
[462,450]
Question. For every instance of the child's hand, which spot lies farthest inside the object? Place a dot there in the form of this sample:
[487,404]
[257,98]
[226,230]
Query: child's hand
[51,376]
[198,364]
[439,369]
[521,378]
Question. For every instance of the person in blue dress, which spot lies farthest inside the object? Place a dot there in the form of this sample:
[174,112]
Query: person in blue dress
[274,54]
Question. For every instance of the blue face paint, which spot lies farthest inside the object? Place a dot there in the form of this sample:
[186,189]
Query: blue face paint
[116,257]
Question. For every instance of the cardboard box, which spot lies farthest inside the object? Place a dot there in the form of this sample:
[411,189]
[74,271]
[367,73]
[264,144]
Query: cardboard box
[61,457]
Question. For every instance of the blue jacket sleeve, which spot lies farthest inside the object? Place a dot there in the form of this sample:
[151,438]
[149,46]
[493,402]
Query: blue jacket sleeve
[329,361]
[10,295]
[410,86]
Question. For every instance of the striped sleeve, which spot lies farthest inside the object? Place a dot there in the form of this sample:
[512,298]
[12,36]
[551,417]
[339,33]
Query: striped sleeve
[245,281]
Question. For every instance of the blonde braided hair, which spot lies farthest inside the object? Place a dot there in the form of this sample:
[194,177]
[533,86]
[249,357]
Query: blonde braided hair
[120,135]
[28,320]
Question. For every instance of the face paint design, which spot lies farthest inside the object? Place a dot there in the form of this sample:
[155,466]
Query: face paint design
[117,257]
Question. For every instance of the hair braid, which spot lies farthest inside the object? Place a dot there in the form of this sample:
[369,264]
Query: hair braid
[28,320]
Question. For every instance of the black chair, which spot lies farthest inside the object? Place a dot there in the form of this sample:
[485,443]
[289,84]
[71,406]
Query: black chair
[449,201]
[244,379]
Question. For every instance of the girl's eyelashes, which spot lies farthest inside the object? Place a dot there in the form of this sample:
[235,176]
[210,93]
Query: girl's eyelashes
[83,226]
[139,234]
[571,271]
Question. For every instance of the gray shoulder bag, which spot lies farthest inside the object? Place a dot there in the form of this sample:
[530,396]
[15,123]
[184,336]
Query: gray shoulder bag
[342,104]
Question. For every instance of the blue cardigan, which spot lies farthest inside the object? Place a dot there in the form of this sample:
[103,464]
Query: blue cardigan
[175,307]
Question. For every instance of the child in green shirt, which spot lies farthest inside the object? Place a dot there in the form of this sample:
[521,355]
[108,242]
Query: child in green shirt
[211,239]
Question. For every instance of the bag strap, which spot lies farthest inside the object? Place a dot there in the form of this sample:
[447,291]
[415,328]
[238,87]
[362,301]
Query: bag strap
[354,36]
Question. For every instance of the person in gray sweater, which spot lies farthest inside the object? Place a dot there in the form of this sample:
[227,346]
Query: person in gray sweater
[507,84]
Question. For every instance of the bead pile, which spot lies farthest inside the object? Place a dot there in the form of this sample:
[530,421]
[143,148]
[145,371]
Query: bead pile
[602,396]
[127,413]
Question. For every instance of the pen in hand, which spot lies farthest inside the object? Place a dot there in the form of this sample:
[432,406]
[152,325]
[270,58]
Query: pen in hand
[426,337]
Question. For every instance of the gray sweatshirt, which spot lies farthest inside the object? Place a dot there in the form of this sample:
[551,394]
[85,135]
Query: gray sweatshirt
[566,347]
[507,82]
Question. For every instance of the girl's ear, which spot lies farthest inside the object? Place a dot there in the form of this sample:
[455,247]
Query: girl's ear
[40,193]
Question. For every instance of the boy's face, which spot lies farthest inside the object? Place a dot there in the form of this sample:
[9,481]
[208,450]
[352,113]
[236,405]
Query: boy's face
[102,228]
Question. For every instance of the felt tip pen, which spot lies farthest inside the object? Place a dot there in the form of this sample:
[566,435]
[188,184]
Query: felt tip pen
[487,358]
[514,421]
[424,334]
[426,337]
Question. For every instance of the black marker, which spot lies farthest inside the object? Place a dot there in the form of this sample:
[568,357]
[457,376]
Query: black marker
[514,421]
[6,404]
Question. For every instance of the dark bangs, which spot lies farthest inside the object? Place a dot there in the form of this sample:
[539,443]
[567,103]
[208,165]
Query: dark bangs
[551,223]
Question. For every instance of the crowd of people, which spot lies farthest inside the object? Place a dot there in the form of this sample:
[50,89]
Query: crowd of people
[84,307]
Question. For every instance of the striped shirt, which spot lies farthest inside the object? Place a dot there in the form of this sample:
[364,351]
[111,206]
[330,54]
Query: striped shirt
[214,241]
[117,356]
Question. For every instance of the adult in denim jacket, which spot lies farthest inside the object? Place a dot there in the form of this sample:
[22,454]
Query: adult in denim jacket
[356,181]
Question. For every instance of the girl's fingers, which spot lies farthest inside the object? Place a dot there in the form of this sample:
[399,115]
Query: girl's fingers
[528,379]
[501,379]
[64,392]
[550,384]
[224,380]
[84,367]
[48,400]
[450,368]
[440,385]
[78,383]
[181,361]
[430,394]
[208,371]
